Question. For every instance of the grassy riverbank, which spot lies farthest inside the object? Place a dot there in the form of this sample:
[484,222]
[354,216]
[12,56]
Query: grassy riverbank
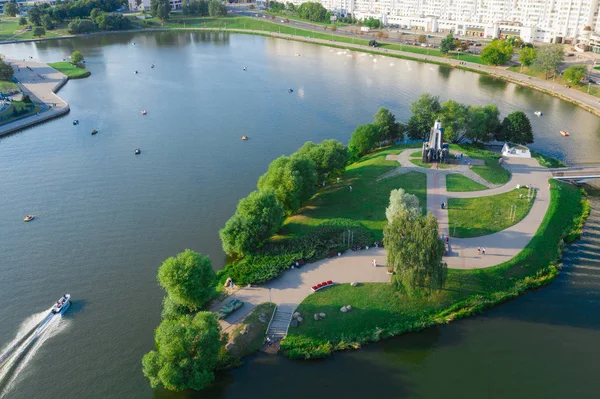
[380,312]
[72,71]
[492,171]
[593,89]
[476,217]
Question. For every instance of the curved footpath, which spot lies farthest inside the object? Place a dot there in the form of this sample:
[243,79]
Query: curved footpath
[42,90]
[288,291]
[503,245]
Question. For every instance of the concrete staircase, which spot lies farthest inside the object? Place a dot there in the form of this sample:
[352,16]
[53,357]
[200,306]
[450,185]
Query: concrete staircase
[280,323]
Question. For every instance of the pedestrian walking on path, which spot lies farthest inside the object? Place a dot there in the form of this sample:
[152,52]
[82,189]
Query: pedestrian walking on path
[374,262]
[483,250]
[478,250]
[350,188]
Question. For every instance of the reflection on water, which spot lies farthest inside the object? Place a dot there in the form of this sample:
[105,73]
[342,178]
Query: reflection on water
[106,218]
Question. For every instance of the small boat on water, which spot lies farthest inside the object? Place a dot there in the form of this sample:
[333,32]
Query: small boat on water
[28,218]
[245,68]
[62,304]
[564,133]
[76,122]
[144,112]
[538,113]
[244,137]
[152,66]
[290,90]
[136,72]
[297,54]
[94,131]
[137,151]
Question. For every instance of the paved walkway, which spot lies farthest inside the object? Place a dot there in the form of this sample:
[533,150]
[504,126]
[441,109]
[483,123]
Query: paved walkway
[295,284]
[40,83]
[501,246]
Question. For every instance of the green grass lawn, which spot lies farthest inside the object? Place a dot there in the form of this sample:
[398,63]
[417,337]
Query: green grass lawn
[416,154]
[459,183]
[547,162]
[366,202]
[27,109]
[476,217]
[419,162]
[8,87]
[493,172]
[70,70]
[380,312]
[9,27]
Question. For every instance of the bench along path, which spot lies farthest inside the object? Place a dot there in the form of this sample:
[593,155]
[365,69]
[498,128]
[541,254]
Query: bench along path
[296,284]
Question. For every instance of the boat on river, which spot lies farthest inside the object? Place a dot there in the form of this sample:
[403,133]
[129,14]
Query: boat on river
[62,304]
[76,122]
[94,131]
[538,113]
[137,151]
[244,137]
[564,133]
[28,218]
[144,112]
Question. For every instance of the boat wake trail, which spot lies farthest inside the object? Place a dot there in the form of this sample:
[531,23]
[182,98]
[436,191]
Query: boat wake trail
[31,335]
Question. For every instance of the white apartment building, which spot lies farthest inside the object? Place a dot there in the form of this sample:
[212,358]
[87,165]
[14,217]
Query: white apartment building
[533,20]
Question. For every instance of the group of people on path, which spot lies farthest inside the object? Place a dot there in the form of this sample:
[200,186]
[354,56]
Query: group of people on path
[481,250]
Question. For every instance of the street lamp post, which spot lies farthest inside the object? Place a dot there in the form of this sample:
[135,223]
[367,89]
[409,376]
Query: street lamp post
[588,90]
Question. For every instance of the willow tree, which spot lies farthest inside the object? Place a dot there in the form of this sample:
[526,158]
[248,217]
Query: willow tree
[414,252]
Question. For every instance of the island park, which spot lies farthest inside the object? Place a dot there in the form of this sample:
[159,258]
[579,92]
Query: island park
[315,271]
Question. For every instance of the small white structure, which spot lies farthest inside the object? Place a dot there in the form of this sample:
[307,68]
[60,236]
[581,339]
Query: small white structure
[515,151]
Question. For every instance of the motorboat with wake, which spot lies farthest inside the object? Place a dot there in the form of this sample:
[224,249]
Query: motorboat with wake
[564,133]
[62,304]
[28,218]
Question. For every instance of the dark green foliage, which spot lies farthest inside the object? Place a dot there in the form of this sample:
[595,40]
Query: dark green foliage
[27,99]
[81,26]
[527,56]
[364,139]
[188,279]
[160,9]
[172,310]
[22,21]
[455,119]
[47,21]
[277,5]
[516,128]
[425,110]
[312,11]
[216,9]
[373,43]
[76,57]
[35,16]
[6,71]
[256,219]
[10,9]
[292,179]
[484,123]
[195,7]
[39,31]
[187,351]
[275,257]
[549,58]
[414,252]
[372,23]
[329,157]
[447,44]
[389,129]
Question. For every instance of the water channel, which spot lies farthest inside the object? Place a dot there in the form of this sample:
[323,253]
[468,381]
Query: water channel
[106,218]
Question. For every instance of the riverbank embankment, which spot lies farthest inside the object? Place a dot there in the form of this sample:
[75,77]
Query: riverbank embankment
[41,83]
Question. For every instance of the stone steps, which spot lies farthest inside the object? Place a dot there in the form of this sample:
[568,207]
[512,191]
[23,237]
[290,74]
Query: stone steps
[279,325]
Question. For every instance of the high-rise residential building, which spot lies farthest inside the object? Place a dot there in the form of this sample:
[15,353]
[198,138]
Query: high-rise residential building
[533,20]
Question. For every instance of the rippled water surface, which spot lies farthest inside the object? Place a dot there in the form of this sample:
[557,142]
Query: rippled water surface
[107,218]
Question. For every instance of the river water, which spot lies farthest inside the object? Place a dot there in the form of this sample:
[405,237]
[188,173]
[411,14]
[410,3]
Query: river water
[107,218]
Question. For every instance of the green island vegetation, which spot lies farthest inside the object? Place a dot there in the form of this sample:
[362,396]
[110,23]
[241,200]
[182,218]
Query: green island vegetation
[547,162]
[476,217]
[303,206]
[380,311]
[74,69]
[456,182]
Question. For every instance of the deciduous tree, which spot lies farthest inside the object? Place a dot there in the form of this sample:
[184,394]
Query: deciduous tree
[364,139]
[549,58]
[160,9]
[483,124]
[6,71]
[257,218]
[527,56]
[388,127]
[447,44]
[188,278]
[312,11]
[35,16]
[401,202]
[76,58]
[293,181]
[216,9]
[414,252]
[39,31]
[498,52]
[425,110]
[10,9]
[455,118]
[575,74]
[516,128]
[186,352]
[329,157]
